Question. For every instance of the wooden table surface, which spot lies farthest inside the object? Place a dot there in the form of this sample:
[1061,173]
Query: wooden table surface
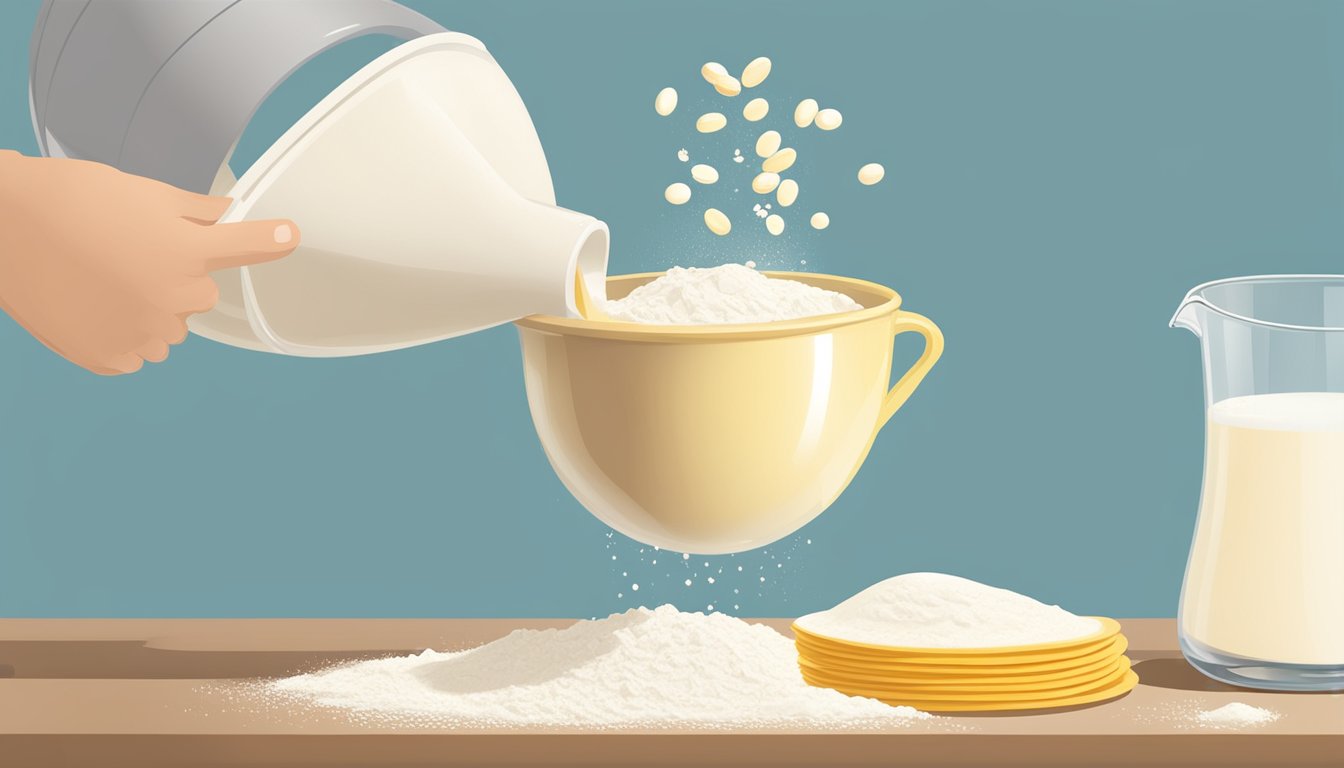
[155,692]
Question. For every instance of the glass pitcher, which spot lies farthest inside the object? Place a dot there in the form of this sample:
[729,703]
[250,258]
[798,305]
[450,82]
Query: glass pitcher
[1263,600]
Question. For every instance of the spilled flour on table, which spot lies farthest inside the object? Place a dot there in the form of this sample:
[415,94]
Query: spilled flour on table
[1237,715]
[1191,716]
[643,668]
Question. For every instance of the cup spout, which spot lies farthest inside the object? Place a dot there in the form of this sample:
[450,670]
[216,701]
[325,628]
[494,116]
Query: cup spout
[1190,315]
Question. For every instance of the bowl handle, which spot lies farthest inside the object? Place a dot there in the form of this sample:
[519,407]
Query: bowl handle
[933,349]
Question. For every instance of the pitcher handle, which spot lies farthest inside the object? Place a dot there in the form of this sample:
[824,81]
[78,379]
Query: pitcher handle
[933,349]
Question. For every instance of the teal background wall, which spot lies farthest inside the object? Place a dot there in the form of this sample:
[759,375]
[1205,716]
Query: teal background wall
[1058,175]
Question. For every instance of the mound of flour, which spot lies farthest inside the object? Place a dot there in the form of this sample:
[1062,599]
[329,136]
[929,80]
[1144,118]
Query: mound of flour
[643,668]
[731,293]
[935,610]
[1237,715]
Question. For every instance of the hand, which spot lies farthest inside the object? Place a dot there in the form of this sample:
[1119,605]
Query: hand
[104,267]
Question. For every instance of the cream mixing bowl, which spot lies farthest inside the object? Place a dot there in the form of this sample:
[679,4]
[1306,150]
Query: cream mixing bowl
[717,438]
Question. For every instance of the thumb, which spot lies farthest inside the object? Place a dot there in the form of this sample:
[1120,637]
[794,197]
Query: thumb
[246,242]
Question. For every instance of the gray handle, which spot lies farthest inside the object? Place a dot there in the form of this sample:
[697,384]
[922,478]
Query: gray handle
[165,90]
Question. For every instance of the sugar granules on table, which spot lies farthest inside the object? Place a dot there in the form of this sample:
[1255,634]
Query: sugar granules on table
[936,610]
[731,293]
[643,668]
[1236,715]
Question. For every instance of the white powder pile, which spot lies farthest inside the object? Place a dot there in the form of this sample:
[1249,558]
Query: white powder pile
[935,610]
[731,293]
[1236,715]
[642,668]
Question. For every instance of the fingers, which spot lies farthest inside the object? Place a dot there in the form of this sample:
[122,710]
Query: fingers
[128,363]
[202,209]
[147,331]
[158,336]
[246,242]
[155,351]
[165,331]
[172,329]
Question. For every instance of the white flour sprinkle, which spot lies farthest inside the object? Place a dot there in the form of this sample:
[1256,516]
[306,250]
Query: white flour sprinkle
[731,293]
[1237,715]
[642,668]
[935,610]
[1189,716]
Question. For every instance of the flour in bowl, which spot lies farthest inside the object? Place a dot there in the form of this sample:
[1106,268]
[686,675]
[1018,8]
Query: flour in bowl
[643,668]
[935,610]
[731,293]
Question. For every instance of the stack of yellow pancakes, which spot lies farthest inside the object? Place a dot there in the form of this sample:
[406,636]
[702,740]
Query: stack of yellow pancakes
[1083,670]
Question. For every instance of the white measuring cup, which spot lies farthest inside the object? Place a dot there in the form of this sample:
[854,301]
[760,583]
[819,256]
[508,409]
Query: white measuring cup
[426,211]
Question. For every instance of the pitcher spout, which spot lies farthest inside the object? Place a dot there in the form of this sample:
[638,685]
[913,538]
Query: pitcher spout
[1190,314]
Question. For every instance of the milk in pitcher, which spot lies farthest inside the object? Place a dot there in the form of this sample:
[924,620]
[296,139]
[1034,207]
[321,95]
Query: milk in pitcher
[1265,579]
